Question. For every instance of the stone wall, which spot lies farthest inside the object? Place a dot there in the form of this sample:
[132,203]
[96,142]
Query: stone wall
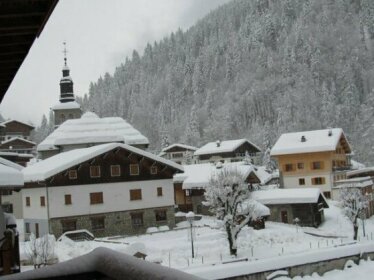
[117,223]
[320,267]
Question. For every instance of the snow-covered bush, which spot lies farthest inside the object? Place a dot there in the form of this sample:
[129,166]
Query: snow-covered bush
[41,250]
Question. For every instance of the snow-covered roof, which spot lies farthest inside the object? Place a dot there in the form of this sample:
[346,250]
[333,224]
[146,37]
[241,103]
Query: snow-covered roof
[223,147]
[66,105]
[257,208]
[10,176]
[60,162]
[187,147]
[16,154]
[360,171]
[315,141]
[18,138]
[358,182]
[107,263]
[12,120]
[10,164]
[198,175]
[90,129]
[287,196]
[357,165]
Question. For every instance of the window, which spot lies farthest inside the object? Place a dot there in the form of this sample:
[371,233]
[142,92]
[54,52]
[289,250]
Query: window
[42,201]
[160,215]
[289,167]
[68,199]
[68,225]
[318,181]
[28,201]
[134,169]
[137,219]
[177,155]
[115,170]
[7,207]
[301,181]
[153,170]
[73,174]
[27,228]
[300,165]
[95,171]
[159,191]
[317,165]
[136,194]
[97,223]
[327,195]
[96,198]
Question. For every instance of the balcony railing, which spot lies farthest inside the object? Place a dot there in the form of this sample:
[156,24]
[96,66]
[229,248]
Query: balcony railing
[341,168]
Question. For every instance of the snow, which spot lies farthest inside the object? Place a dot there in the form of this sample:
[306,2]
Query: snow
[287,196]
[92,129]
[10,176]
[179,145]
[114,265]
[357,165]
[198,175]
[360,171]
[16,154]
[66,105]
[271,247]
[10,164]
[18,138]
[60,162]
[12,120]
[316,141]
[358,182]
[224,147]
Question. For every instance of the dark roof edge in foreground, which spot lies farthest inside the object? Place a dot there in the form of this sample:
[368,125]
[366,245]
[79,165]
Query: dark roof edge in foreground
[104,263]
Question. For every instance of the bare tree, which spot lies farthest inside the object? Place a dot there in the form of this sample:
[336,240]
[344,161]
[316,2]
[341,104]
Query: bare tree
[228,196]
[354,204]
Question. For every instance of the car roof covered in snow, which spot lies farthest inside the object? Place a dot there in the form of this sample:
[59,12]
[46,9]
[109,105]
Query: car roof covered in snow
[315,141]
[223,147]
[51,166]
[91,129]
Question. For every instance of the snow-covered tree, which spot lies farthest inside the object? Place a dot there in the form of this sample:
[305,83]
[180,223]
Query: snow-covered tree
[247,158]
[229,198]
[40,250]
[267,161]
[354,204]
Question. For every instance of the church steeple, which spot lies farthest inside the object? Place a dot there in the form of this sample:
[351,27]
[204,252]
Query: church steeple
[66,83]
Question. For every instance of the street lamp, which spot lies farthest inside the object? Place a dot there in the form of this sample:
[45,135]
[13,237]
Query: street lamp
[190,217]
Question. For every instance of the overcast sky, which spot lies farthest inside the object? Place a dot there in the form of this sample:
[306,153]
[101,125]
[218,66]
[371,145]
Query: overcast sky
[99,35]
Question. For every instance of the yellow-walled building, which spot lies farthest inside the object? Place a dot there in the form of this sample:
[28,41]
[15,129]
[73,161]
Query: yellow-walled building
[315,158]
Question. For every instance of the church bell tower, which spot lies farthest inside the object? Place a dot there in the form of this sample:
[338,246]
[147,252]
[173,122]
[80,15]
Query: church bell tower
[67,108]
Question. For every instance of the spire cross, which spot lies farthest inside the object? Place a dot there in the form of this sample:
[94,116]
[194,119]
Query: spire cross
[65,52]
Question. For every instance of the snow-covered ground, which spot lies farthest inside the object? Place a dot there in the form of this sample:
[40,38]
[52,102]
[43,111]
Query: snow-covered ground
[173,248]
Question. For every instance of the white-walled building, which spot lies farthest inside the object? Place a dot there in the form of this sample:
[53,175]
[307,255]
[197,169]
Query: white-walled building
[108,189]
[312,159]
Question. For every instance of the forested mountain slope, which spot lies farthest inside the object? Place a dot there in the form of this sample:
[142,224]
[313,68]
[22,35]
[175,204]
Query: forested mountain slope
[255,69]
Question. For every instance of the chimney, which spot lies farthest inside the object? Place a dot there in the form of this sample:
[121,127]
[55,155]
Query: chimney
[303,139]
[330,132]
[218,143]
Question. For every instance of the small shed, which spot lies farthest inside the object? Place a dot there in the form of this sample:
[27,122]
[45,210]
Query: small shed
[288,204]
